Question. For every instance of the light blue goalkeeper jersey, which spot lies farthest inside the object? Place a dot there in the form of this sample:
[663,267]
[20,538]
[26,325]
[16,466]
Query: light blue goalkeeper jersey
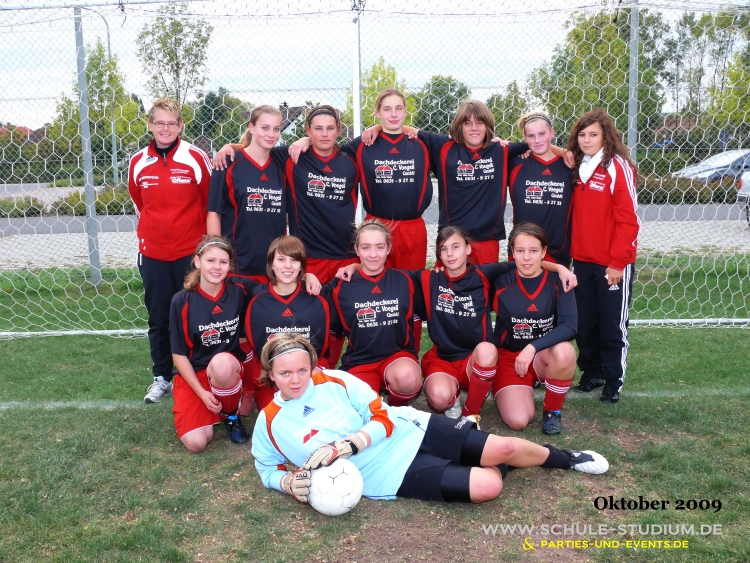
[335,405]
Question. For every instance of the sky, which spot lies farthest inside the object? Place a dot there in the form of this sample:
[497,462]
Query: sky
[292,51]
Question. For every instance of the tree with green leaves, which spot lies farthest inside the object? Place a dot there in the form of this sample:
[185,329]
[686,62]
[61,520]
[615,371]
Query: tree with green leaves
[730,108]
[506,109]
[437,103]
[219,116]
[108,100]
[378,78]
[173,50]
[591,69]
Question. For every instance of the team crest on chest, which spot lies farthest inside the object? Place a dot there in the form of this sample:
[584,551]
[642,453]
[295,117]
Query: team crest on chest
[210,337]
[383,171]
[465,170]
[446,300]
[534,192]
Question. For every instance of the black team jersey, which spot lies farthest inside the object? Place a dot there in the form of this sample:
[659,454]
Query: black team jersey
[458,309]
[533,311]
[394,174]
[471,184]
[300,313]
[251,200]
[201,326]
[541,193]
[322,201]
[377,314]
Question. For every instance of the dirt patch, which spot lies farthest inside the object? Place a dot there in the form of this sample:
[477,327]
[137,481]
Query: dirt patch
[435,536]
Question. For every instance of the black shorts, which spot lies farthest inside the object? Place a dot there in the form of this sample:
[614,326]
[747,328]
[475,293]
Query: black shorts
[440,471]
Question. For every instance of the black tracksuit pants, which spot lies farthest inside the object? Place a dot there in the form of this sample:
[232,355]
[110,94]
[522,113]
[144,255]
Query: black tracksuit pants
[603,316]
[161,280]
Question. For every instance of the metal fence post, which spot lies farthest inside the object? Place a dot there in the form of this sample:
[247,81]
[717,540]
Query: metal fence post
[633,82]
[357,9]
[88,166]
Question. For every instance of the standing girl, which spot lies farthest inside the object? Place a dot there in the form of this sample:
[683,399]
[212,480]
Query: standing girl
[603,246]
[168,181]
[472,174]
[536,319]
[247,201]
[204,324]
[541,188]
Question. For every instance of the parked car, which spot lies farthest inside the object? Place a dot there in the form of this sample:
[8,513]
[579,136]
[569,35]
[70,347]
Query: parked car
[743,195]
[729,164]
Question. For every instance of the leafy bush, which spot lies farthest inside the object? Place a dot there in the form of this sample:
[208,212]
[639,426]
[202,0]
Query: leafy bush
[109,201]
[15,207]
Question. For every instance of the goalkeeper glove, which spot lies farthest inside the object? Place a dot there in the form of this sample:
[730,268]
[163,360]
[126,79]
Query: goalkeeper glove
[297,484]
[326,455]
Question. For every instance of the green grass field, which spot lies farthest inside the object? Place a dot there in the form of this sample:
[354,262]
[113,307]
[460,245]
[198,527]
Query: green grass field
[89,473]
[682,286]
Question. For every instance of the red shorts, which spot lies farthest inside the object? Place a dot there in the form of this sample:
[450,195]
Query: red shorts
[408,243]
[190,412]
[325,269]
[506,372]
[374,374]
[432,363]
[485,251]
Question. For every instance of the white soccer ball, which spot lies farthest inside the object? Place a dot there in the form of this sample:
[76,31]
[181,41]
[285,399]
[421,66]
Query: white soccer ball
[335,489]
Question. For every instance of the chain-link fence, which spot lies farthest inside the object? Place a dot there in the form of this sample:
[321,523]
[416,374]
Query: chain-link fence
[221,58]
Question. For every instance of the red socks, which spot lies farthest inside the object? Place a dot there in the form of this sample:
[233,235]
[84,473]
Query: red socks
[229,398]
[396,399]
[555,395]
[481,381]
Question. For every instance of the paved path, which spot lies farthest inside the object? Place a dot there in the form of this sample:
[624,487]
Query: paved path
[119,249]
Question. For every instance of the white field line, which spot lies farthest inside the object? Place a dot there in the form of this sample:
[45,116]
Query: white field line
[539,393]
[83,405]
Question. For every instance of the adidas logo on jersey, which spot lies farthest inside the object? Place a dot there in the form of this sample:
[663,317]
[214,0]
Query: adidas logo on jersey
[546,172]
[394,150]
[376,289]
[287,313]
[475,156]
[312,433]
[217,310]
[532,309]
[327,169]
[264,177]
[307,410]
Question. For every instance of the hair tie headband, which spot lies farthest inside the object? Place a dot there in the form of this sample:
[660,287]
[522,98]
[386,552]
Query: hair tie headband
[374,224]
[542,117]
[217,242]
[320,111]
[287,351]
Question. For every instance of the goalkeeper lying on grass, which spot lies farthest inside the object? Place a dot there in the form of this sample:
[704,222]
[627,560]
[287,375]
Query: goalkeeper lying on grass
[319,416]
